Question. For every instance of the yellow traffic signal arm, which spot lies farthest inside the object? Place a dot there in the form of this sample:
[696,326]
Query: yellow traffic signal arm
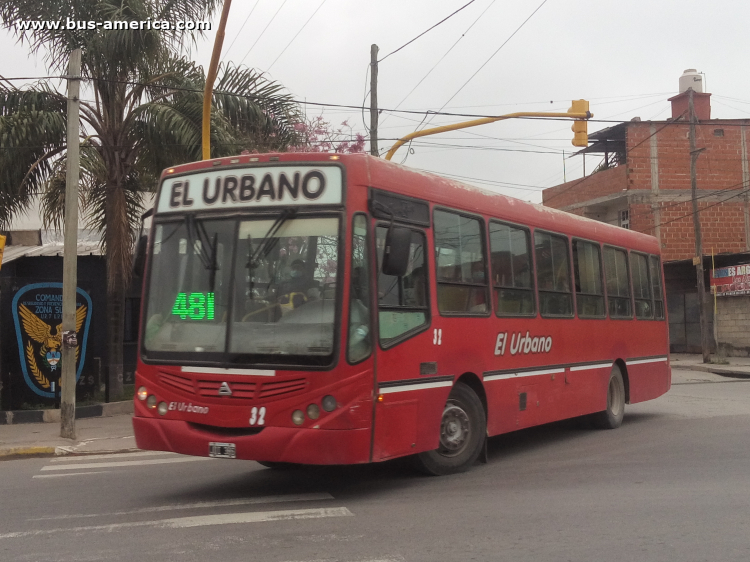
[579,115]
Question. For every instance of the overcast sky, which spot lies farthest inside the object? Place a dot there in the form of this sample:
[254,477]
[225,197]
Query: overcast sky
[624,57]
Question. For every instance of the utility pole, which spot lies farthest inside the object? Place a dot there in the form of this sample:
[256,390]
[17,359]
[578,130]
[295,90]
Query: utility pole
[70,255]
[374,100]
[698,260]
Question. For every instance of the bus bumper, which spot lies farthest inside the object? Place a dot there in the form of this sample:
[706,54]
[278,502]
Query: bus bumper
[273,444]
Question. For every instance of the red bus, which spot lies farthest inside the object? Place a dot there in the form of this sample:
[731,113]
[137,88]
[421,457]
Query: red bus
[336,309]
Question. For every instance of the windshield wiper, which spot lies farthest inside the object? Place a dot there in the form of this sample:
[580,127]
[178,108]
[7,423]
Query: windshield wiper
[201,235]
[269,239]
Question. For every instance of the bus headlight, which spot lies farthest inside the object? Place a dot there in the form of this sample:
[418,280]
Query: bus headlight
[298,417]
[313,411]
[162,408]
[151,402]
[329,403]
[142,393]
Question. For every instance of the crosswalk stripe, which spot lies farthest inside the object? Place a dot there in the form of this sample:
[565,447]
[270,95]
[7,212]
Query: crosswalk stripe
[124,463]
[136,454]
[317,496]
[68,474]
[200,521]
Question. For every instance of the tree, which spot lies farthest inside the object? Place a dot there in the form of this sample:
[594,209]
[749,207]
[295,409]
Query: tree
[319,135]
[141,112]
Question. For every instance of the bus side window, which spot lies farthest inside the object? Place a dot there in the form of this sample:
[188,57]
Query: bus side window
[403,306]
[360,341]
[587,267]
[553,274]
[641,286]
[460,263]
[510,256]
[656,287]
[618,285]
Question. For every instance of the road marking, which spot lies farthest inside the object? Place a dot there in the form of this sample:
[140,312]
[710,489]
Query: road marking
[200,521]
[138,454]
[69,474]
[124,463]
[198,505]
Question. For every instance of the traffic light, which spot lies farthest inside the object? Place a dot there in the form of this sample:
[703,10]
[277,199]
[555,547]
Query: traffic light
[580,126]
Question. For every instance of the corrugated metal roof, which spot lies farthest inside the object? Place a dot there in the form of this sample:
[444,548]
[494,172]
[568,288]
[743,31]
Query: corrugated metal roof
[15,252]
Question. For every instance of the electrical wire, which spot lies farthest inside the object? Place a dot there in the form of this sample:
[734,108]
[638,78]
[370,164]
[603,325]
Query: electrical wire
[242,27]
[262,32]
[296,35]
[424,32]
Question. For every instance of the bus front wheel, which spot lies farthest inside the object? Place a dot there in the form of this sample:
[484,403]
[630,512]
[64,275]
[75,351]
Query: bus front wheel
[611,418]
[463,428]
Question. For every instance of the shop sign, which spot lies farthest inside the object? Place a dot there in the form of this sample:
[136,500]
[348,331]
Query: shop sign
[731,281]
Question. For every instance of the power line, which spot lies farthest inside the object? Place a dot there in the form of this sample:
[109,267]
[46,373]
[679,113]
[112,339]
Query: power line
[262,32]
[492,55]
[242,27]
[295,36]
[424,32]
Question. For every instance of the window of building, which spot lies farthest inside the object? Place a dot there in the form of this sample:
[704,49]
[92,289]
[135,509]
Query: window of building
[510,256]
[403,306]
[641,286]
[618,286]
[360,341]
[553,274]
[655,265]
[460,264]
[587,267]
[625,219]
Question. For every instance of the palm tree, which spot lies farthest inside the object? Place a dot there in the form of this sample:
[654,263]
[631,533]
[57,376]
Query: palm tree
[141,109]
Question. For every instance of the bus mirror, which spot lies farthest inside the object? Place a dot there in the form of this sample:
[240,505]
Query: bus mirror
[139,260]
[397,247]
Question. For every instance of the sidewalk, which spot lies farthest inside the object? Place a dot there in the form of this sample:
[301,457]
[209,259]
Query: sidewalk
[112,434]
[737,367]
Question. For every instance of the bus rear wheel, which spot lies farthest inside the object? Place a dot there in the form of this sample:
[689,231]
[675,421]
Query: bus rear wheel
[463,428]
[611,418]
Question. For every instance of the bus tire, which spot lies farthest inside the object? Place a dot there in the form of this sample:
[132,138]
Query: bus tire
[611,418]
[463,430]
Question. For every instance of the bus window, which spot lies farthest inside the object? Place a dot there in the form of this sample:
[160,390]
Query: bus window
[460,264]
[402,301]
[618,287]
[360,343]
[510,256]
[656,287]
[587,268]
[641,286]
[553,274]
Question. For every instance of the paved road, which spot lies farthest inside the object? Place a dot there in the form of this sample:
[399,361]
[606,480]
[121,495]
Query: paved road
[672,484]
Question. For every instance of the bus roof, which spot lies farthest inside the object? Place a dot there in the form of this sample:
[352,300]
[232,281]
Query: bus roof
[369,171]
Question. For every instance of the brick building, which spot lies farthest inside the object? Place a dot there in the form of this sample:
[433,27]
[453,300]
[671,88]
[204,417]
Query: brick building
[643,183]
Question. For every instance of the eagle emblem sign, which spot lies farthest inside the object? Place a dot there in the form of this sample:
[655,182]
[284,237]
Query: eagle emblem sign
[37,313]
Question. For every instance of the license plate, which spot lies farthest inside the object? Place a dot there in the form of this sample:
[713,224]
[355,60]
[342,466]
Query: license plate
[222,450]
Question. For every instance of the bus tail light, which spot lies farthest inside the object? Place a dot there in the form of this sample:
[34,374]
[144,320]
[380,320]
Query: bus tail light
[142,393]
[313,411]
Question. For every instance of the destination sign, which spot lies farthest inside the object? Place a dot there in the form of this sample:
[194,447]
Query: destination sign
[251,187]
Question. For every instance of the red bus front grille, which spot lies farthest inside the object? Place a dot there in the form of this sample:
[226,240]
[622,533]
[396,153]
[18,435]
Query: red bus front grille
[180,383]
[239,389]
[270,389]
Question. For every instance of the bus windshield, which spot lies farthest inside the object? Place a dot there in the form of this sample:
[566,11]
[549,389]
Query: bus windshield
[255,291]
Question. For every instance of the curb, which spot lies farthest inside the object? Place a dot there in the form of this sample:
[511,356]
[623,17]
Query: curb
[723,371]
[15,417]
[26,452]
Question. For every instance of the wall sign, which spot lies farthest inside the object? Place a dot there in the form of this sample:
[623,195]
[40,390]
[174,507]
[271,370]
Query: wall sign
[731,281]
[37,314]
